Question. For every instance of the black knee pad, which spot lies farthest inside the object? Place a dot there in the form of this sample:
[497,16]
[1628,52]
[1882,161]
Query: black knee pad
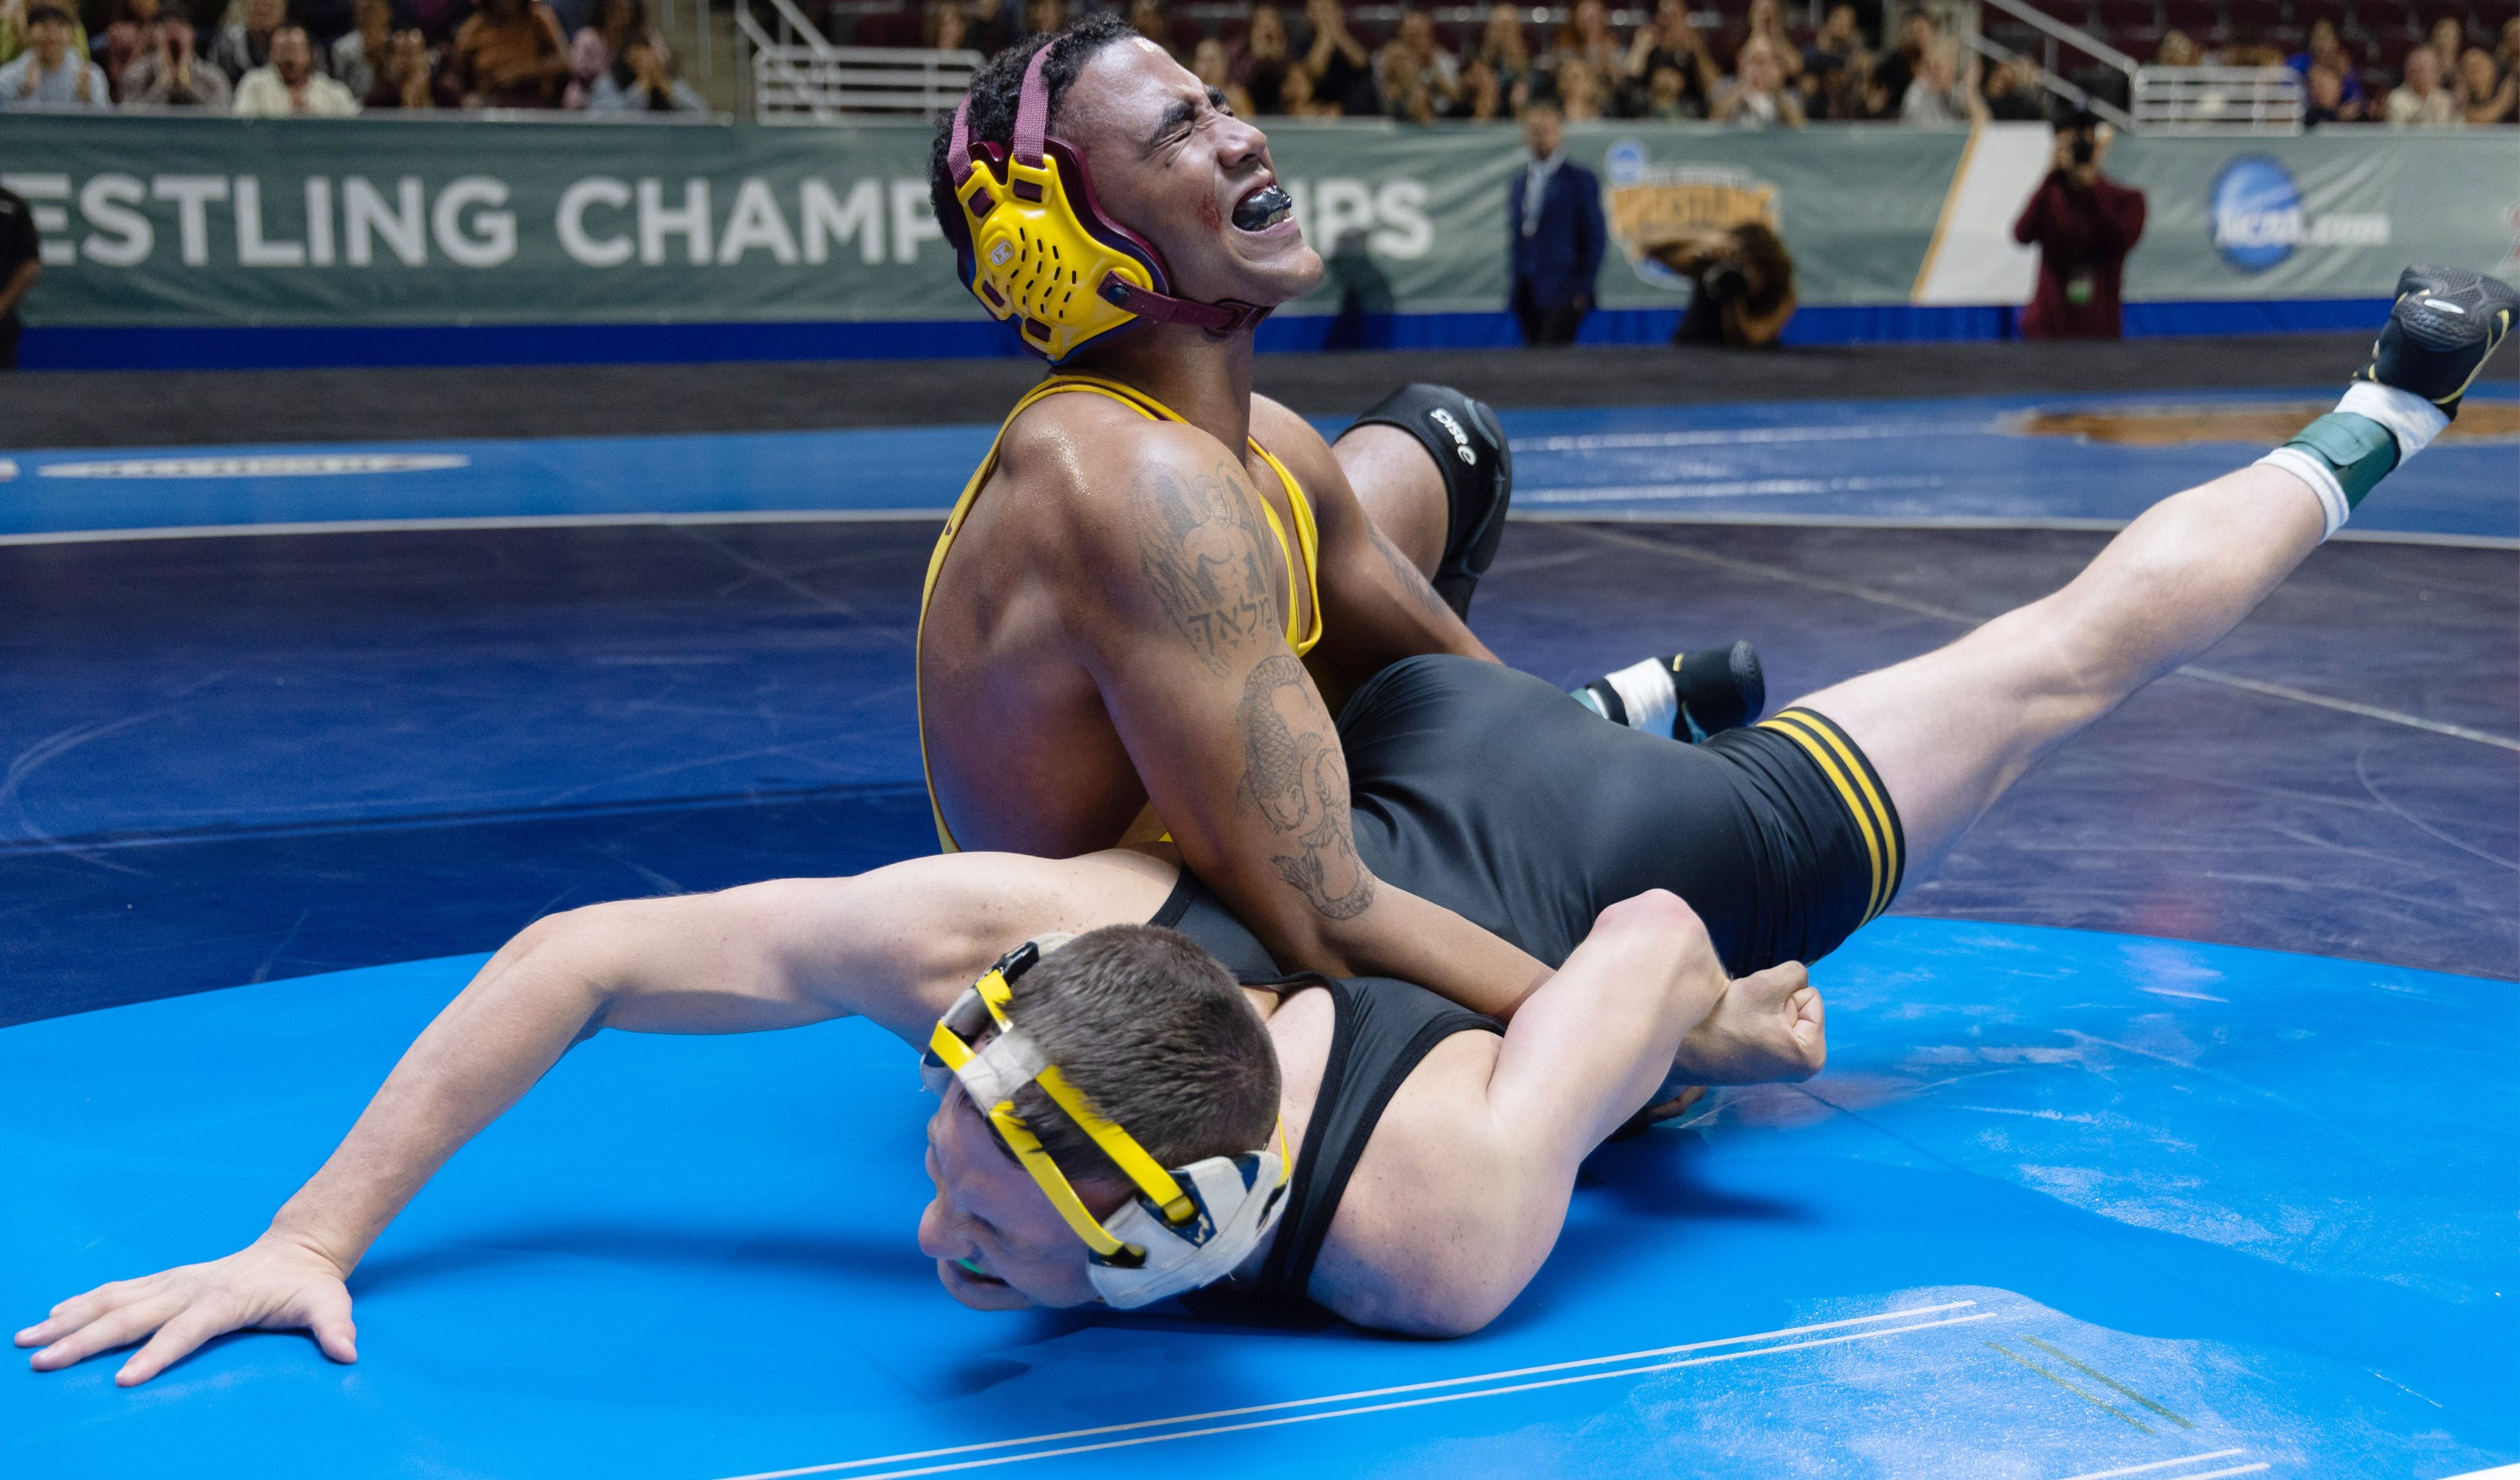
[1464,437]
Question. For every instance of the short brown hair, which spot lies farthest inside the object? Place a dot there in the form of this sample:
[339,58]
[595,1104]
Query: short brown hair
[1157,1034]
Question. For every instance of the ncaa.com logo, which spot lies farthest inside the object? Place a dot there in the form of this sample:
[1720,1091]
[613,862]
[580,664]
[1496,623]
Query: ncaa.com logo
[2258,219]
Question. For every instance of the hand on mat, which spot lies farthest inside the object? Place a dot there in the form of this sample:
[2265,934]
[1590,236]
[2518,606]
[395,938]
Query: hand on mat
[274,1283]
[1766,1026]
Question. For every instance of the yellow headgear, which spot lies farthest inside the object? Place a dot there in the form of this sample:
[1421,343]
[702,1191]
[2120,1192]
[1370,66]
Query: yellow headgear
[1036,249]
[1187,1227]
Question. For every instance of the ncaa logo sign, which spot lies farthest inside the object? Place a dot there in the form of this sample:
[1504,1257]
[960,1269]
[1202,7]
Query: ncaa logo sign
[2258,217]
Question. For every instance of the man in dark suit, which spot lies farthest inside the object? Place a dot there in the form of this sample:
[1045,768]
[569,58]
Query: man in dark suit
[1554,209]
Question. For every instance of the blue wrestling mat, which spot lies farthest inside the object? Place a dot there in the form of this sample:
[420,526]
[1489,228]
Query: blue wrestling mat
[2038,460]
[2073,1202]
[2063,1205]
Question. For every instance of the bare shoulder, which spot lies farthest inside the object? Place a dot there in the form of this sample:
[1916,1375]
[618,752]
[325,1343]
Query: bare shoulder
[1087,465]
[1291,440]
[1422,1241]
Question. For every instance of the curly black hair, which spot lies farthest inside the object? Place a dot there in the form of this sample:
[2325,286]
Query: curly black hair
[996,88]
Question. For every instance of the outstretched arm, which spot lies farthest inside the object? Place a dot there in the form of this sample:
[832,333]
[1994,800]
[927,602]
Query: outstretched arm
[893,946]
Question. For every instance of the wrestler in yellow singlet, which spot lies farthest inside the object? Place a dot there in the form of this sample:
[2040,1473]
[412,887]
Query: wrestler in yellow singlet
[1302,554]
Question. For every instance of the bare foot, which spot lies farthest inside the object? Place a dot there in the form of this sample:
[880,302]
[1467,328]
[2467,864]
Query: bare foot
[1768,1026]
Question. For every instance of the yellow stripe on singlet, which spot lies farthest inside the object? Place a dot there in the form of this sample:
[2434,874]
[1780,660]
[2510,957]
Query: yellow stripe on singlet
[1303,552]
[1855,788]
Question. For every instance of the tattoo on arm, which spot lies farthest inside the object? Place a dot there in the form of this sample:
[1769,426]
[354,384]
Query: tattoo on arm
[1298,781]
[1198,548]
[1411,579]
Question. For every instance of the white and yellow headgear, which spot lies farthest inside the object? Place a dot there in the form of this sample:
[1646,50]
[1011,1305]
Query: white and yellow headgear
[1036,249]
[1185,1228]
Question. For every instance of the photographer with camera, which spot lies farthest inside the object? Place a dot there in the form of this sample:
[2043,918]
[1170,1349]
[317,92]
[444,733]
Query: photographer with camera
[1741,280]
[2084,226]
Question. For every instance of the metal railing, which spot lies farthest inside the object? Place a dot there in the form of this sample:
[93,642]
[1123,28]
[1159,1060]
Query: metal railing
[2249,100]
[2100,108]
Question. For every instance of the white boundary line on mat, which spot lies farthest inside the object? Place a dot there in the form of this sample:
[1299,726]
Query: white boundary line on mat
[1385,1392]
[2137,1469]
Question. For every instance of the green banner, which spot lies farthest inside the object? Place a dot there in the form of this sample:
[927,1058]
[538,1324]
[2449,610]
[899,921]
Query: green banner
[171,221]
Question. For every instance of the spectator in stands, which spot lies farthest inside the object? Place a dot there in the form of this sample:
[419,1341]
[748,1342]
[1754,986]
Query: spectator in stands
[642,82]
[126,36]
[1482,99]
[1211,64]
[355,58]
[1758,97]
[1146,18]
[2507,52]
[1259,63]
[48,74]
[291,86]
[1043,17]
[1418,78]
[1898,67]
[2084,226]
[1670,42]
[946,27]
[1507,53]
[167,74]
[408,81]
[244,43]
[1342,69]
[2420,100]
[1295,97]
[1741,284]
[1667,98]
[509,55]
[1579,91]
[2328,50]
[1553,212]
[2446,40]
[2323,99]
[1585,37]
[2485,95]
[595,48]
[1767,23]
[2177,49]
[1834,67]
[439,20]
[2013,95]
[1943,93]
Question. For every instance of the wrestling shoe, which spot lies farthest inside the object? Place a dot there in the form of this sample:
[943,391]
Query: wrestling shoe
[1469,445]
[1688,697]
[2446,325]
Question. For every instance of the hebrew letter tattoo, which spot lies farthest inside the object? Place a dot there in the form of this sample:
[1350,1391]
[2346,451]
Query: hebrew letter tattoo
[1198,547]
[1297,779]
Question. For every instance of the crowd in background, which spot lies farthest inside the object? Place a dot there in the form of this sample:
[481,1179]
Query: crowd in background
[1769,67]
[333,58]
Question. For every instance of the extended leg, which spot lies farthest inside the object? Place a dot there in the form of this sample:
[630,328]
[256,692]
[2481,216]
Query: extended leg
[1949,732]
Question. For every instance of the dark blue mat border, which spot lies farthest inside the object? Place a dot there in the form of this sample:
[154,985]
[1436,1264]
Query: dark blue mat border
[307,346]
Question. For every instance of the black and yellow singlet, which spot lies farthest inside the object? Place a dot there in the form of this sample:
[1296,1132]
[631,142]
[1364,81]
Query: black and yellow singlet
[1301,553]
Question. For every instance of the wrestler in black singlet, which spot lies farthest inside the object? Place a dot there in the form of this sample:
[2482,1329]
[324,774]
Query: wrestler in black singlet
[1383,1029]
[1492,794]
